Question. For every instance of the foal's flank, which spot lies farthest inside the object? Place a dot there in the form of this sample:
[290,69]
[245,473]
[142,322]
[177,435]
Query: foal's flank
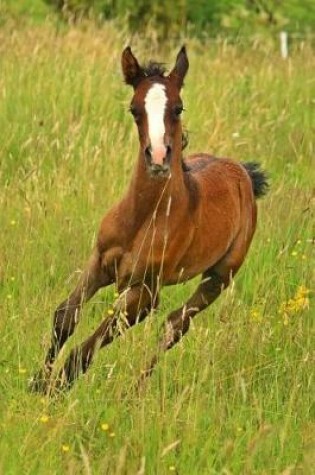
[179,218]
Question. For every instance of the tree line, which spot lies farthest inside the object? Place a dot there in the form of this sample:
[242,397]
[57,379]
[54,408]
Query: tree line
[201,17]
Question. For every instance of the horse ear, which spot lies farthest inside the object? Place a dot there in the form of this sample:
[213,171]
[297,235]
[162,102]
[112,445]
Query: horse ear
[180,69]
[132,71]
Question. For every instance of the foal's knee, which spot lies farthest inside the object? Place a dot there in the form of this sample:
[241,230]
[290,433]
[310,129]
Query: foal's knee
[64,321]
[135,304]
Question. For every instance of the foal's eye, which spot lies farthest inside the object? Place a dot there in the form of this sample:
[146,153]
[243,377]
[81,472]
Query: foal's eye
[178,110]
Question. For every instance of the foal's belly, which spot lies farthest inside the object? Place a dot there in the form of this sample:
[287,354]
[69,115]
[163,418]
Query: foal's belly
[185,256]
[195,262]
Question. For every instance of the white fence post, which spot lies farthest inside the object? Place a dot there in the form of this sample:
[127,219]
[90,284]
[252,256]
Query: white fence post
[284,44]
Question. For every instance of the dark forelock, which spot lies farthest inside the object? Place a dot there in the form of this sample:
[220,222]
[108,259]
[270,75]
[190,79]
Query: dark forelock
[154,69]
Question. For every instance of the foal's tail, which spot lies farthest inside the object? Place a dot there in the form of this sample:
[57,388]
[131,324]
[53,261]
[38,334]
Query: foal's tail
[258,177]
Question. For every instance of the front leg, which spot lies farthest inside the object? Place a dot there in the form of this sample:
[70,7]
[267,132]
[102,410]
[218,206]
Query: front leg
[132,307]
[67,314]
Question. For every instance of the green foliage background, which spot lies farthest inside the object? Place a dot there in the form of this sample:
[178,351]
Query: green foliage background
[202,18]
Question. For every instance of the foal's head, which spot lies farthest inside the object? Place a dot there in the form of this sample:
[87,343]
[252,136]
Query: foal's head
[156,107]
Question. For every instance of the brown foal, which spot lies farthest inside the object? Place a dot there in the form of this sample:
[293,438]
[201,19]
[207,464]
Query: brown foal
[179,218]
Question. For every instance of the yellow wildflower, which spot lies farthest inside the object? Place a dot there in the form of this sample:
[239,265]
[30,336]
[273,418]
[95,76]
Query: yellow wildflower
[299,302]
[105,427]
[110,311]
[44,418]
[172,468]
[302,292]
[255,315]
[112,434]
[13,222]
[65,448]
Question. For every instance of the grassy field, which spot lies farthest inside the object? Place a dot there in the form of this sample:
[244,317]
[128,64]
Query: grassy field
[236,395]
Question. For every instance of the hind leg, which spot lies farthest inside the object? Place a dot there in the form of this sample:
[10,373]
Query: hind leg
[178,322]
[213,282]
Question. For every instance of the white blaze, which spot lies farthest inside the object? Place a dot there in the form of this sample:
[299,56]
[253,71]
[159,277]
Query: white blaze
[155,104]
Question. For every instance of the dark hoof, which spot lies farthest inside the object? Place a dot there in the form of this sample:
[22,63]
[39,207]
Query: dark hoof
[40,382]
[46,383]
[49,386]
[62,383]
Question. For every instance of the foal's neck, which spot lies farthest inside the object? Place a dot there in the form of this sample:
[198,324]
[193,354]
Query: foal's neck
[149,193]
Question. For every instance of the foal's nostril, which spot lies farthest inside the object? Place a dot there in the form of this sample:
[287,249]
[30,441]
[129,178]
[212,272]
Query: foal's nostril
[148,154]
[168,155]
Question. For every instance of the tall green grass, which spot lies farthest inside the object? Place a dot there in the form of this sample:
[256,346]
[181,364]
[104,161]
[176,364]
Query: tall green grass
[235,396]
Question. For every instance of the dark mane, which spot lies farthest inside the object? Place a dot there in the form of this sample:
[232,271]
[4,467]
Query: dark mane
[154,69]
[185,138]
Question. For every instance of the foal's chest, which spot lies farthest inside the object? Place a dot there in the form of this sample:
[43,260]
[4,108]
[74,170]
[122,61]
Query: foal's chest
[156,250]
